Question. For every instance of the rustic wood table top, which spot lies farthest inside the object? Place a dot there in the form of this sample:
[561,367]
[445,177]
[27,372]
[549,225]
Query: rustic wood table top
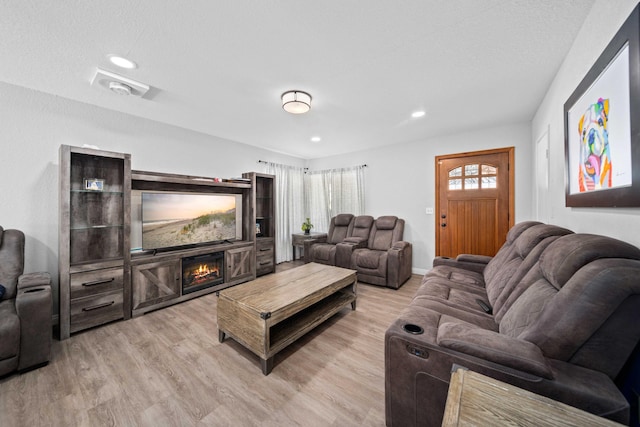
[477,400]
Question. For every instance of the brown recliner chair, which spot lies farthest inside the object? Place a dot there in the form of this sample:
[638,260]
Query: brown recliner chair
[386,260]
[25,309]
[323,249]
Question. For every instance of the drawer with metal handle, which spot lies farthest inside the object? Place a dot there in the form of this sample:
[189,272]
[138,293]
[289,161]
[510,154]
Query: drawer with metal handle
[96,310]
[93,282]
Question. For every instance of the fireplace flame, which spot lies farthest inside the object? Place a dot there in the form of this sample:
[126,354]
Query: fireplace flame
[204,271]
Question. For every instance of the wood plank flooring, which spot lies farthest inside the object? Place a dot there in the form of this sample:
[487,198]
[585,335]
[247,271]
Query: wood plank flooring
[167,368]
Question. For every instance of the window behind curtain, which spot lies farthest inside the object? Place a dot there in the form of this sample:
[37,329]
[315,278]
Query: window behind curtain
[331,192]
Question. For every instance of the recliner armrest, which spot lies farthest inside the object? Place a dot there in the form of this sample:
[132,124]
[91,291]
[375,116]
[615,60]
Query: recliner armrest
[400,245]
[29,280]
[478,259]
[399,261]
[356,242]
[494,347]
[34,309]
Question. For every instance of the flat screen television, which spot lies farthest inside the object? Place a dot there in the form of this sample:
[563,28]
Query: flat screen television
[187,219]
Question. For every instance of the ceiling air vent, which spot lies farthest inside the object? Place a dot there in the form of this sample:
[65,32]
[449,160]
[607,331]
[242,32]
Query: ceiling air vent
[118,84]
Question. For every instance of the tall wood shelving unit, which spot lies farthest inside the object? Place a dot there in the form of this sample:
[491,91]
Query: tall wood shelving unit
[263,216]
[94,249]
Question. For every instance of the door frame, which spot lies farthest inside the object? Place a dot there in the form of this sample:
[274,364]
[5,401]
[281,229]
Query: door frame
[511,170]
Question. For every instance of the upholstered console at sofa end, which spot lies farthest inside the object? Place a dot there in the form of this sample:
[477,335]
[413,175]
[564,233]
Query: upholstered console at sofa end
[566,326]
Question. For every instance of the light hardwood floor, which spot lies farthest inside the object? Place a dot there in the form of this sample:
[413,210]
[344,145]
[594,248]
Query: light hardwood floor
[167,368]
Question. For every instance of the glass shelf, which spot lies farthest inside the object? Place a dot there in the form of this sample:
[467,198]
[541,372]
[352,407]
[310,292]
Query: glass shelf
[119,193]
[96,227]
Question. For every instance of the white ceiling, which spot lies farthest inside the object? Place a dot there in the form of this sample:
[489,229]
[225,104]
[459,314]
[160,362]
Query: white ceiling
[219,67]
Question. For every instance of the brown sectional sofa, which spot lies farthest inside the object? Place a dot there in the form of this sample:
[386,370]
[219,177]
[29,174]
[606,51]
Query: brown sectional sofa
[374,248]
[554,312]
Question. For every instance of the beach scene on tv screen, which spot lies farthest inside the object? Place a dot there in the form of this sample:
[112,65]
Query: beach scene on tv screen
[186,219]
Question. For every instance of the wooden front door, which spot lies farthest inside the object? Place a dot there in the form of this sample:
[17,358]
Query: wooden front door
[474,201]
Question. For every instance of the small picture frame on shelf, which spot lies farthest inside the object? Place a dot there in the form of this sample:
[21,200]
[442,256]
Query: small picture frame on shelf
[258,229]
[93,184]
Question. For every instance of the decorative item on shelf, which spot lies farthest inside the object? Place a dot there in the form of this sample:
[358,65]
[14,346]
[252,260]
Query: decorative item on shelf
[307,226]
[94,184]
[258,230]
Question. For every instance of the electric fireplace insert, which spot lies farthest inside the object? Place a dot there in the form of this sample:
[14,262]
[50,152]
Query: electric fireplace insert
[202,271]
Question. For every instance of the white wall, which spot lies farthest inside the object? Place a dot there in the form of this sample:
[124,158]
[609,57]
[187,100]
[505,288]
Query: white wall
[601,24]
[35,124]
[400,179]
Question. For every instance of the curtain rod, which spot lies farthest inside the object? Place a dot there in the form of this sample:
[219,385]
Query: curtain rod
[263,161]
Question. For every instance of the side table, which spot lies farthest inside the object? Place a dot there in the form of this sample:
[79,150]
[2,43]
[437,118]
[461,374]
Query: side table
[477,400]
[298,239]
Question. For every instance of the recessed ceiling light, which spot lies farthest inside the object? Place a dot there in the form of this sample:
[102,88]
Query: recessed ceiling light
[417,114]
[122,62]
[316,139]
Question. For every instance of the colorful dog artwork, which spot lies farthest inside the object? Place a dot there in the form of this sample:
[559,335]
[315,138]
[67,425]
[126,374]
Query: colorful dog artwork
[595,158]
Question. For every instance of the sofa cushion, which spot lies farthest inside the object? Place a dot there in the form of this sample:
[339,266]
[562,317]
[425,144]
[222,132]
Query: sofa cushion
[340,228]
[323,252]
[571,253]
[362,227]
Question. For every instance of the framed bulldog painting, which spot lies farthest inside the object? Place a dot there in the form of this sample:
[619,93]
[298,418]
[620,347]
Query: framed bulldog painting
[602,126]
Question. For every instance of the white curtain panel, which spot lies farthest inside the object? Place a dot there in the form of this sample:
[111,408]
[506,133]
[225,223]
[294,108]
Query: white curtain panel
[289,206]
[317,200]
[331,192]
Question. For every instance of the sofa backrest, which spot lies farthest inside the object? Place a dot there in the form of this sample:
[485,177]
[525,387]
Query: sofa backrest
[362,226]
[506,251]
[339,228]
[581,302]
[11,260]
[514,267]
[386,230]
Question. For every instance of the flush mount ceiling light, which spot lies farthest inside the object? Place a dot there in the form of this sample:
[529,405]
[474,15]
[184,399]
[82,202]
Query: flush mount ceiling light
[296,102]
[122,62]
[316,139]
[118,84]
[417,114]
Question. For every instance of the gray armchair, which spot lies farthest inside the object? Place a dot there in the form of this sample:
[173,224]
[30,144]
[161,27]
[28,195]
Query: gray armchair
[25,309]
[386,259]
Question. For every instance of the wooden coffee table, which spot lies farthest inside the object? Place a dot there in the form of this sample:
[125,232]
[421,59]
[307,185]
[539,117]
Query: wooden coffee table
[269,313]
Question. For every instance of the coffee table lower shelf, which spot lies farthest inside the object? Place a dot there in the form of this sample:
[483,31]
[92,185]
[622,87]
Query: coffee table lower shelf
[265,333]
[286,332]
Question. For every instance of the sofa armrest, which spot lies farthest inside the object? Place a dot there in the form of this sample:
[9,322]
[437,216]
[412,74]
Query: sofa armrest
[477,259]
[465,262]
[356,242]
[30,280]
[344,251]
[34,309]
[494,347]
[399,263]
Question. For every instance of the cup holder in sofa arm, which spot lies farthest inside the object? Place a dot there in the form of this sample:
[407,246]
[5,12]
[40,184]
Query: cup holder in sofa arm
[413,329]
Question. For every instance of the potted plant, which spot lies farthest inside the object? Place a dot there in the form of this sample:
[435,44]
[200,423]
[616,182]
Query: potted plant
[307,226]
